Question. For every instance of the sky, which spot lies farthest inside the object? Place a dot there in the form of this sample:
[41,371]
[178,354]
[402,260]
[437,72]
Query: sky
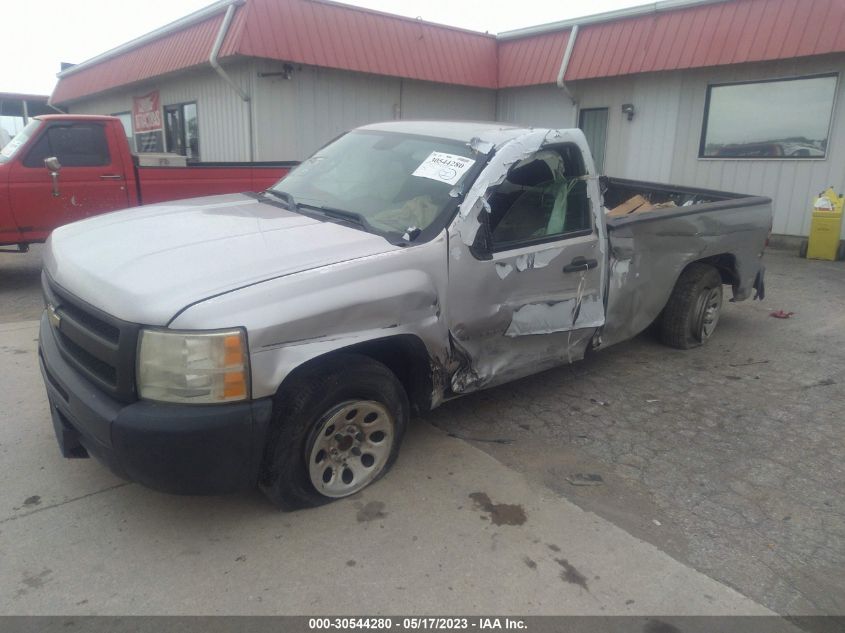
[33,45]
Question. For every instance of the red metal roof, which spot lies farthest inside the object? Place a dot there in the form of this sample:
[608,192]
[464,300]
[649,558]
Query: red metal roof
[188,47]
[323,33]
[709,35]
[531,60]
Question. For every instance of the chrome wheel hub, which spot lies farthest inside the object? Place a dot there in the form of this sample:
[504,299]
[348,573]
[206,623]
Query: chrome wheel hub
[711,306]
[351,448]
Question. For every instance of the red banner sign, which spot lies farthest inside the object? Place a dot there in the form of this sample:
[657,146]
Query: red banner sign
[146,113]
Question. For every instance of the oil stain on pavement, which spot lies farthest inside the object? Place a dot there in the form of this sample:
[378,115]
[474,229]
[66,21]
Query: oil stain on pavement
[500,513]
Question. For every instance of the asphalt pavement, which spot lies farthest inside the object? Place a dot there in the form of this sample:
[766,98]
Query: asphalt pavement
[642,481]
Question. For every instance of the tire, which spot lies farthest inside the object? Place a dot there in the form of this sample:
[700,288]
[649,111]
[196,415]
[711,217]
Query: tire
[693,309]
[840,252]
[802,250]
[336,429]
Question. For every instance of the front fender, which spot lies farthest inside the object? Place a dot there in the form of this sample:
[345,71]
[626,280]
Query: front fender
[293,319]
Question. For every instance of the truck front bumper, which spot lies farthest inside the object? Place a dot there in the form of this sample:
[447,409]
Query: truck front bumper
[184,449]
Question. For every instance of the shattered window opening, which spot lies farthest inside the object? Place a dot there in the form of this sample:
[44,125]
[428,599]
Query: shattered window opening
[543,196]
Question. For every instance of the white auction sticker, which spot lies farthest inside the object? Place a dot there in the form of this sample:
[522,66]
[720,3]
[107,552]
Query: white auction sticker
[446,168]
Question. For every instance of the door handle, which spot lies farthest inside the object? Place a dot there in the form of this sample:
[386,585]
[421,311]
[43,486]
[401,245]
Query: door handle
[111,177]
[580,264]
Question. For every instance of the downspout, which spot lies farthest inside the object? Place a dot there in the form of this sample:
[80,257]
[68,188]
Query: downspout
[215,64]
[564,65]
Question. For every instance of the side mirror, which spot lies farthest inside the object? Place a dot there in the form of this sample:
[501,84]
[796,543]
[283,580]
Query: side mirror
[53,166]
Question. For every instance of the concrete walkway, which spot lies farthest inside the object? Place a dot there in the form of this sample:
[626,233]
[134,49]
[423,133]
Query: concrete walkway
[449,531]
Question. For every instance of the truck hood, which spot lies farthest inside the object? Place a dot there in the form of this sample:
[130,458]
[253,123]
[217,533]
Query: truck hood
[146,264]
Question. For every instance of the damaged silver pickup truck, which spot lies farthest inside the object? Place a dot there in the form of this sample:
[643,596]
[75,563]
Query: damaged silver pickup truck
[283,339]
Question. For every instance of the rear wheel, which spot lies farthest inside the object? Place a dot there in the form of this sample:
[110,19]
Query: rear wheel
[336,430]
[840,252]
[693,310]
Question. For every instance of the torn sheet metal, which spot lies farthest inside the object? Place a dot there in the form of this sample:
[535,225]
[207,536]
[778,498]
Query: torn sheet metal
[468,222]
[503,270]
[541,259]
[480,146]
[494,174]
[546,318]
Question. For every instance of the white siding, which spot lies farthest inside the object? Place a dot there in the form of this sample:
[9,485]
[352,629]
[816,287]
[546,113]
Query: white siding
[791,183]
[296,116]
[222,114]
[425,100]
[661,142]
[539,106]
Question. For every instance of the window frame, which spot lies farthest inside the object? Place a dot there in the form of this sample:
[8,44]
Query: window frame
[45,132]
[706,118]
[180,108]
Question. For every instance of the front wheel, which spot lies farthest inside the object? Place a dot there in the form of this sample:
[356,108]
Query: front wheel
[694,307]
[336,430]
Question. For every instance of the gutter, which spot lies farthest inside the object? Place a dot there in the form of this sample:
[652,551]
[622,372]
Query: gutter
[564,66]
[215,64]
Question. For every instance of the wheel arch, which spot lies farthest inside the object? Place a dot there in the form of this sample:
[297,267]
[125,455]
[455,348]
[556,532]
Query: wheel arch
[725,264]
[404,354]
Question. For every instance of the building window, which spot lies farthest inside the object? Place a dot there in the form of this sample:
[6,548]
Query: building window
[181,130]
[786,118]
[126,121]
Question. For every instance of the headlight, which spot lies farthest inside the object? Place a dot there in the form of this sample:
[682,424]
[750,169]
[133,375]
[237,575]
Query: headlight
[193,367]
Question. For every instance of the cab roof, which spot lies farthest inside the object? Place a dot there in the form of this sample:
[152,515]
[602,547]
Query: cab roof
[466,131]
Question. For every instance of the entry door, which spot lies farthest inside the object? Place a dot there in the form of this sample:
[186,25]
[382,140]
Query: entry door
[534,299]
[593,122]
[91,180]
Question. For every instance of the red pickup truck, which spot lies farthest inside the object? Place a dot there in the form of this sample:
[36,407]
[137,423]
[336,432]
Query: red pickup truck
[61,168]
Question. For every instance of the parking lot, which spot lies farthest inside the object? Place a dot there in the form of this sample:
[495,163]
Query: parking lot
[645,480]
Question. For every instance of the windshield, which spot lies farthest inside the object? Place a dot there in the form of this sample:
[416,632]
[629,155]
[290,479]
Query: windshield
[19,141]
[395,182]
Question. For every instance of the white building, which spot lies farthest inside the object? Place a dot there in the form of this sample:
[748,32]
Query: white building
[738,95]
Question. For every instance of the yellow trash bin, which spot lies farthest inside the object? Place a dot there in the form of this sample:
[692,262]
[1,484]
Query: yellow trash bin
[826,227]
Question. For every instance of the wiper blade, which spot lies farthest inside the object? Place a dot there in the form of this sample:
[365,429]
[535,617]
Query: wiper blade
[293,205]
[339,214]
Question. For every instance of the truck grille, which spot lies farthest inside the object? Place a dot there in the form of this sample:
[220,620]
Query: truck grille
[98,345]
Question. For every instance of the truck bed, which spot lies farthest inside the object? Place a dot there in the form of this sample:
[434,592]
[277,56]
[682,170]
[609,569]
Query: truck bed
[649,249]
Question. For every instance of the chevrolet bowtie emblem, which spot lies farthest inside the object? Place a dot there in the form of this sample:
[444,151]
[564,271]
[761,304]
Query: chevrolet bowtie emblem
[54,317]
